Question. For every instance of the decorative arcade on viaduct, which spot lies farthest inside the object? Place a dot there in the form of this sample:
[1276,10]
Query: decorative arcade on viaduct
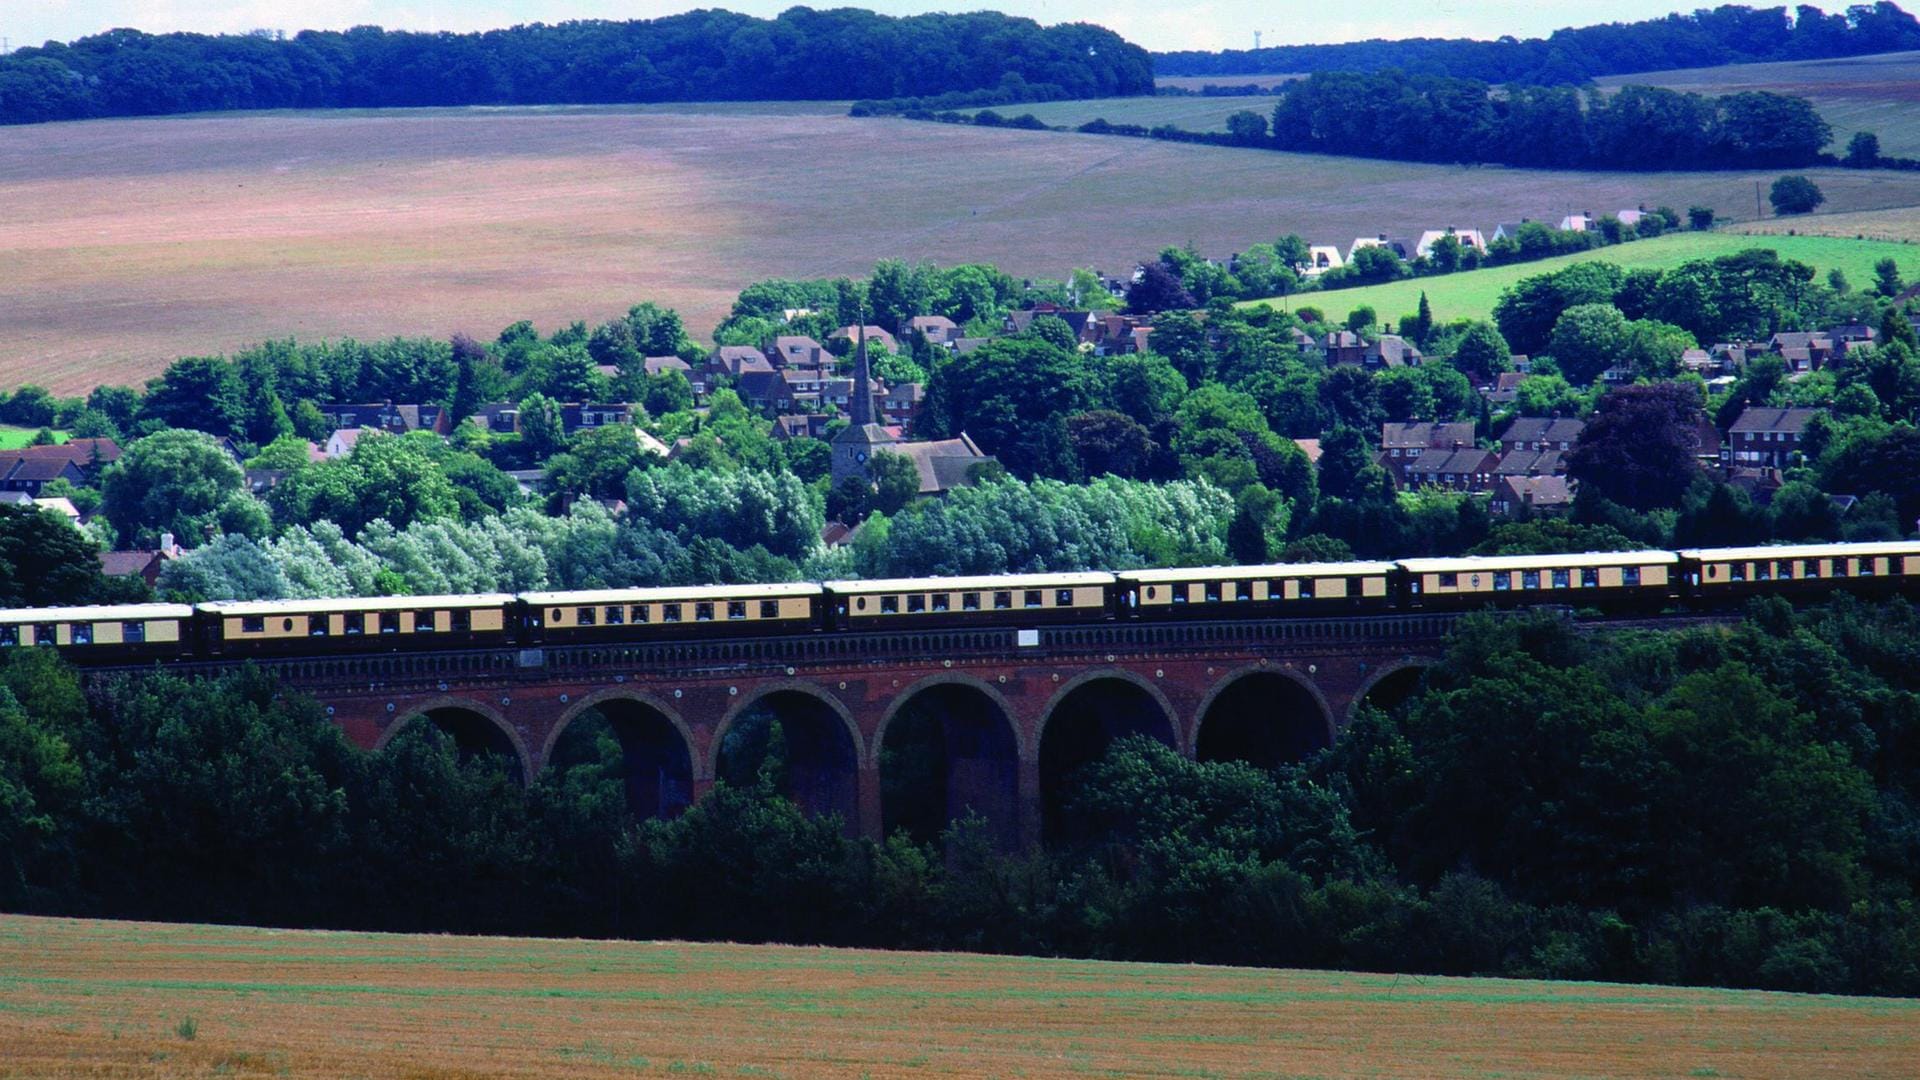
[1007,713]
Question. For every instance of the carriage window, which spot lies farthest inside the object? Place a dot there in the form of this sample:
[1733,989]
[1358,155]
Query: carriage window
[1152,591]
[669,612]
[462,619]
[1449,581]
[253,624]
[423,622]
[1032,598]
[1630,575]
[80,633]
[317,626]
[942,602]
[356,625]
[1868,567]
[1737,572]
[616,616]
[769,609]
[1212,592]
[860,604]
[1356,587]
[1063,598]
[1002,601]
[736,609]
[1589,578]
[917,603]
[131,633]
[1530,579]
[1810,568]
[9,636]
[44,634]
[970,601]
[1502,582]
[889,605]
[639,613]
[1763,571]
[703,613]
[286,626]
[1840,567]
[1306,588]
[584,616]
[1243,590]
[1783,570]
[1180,594]
[390,622]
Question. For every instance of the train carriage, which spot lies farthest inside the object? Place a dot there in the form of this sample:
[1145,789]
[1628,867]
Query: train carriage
[366,624]
[1801,569]
[1019,599]
[1620,579]
[690,611]
[1215,592]
[111,634]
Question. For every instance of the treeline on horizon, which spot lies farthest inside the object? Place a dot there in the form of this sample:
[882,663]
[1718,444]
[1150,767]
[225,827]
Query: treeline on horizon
[1729,34]
[705,55]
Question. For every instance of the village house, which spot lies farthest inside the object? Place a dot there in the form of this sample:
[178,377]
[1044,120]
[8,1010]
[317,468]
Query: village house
[1401,247]
[28,475]
[937,329]
[584,416]
[660,365]
[732,361]
[1320,259]
[1541,433]
[1466,469]
[1515,496]
[799,351]
[1468,238]
[876,335]
[385,416]
[1765,436]
[1401,444]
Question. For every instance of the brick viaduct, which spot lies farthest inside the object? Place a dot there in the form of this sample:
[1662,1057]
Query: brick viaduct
[1009,710]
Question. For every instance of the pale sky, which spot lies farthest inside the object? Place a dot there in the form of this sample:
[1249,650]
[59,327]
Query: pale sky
[1155,24]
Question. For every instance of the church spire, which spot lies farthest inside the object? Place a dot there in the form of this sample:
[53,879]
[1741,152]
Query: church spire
[861,406]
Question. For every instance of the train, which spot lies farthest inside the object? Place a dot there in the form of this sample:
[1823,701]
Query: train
[1618,581]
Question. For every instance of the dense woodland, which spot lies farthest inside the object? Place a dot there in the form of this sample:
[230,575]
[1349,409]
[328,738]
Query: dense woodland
[1722,806]
[706,55]
[1729,34]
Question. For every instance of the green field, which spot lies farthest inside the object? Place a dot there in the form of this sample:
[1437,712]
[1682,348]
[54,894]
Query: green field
[13,438]
[1472,295]
[1190,113]
[85,998]
[1880,94]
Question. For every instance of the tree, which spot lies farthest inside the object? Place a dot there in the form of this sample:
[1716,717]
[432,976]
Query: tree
[1482,353]
[1587,340]
[597,463]
[200,392]
[1699,218]
[1110,443]
[896,481]
[1886,278]
[542,430]
[1158,290]
[1795,195]
[46,562]
[1013,396]
[1362,319]
[1247,127]
[1638,450]
[1863,151]
[667,392]
[178,482]
[1423,322]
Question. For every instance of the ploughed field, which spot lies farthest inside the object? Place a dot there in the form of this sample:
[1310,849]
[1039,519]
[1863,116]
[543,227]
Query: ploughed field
[131,242]
[85,998]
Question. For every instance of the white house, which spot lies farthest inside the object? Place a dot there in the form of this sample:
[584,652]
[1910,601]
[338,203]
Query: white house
[1322,258]
[1467,237]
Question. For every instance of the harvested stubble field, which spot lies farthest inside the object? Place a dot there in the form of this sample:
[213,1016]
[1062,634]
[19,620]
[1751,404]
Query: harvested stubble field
[131,242]
[103,999]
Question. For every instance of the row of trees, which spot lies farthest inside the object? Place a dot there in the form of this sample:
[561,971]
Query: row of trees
[1728,34]
[1391,114]
[707,55]
[1726,806]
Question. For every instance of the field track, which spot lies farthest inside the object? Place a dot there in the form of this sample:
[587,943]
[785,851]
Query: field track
[106,999]
[129,243]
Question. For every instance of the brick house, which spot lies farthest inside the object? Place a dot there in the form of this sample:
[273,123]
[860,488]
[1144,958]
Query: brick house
[1767,437]
[1466,469]
[1541,433]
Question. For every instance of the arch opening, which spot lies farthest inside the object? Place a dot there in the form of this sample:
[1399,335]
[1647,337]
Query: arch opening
[1264,719]
[635,741]
[948,751]
[475,737]
[1078,732]
[804,742]
[1395,688]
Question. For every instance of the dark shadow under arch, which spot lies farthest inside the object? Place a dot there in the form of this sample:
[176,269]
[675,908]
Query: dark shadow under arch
[948,750]
[638,739]
[1077,731]
[1391,687]
[820,763]
[1264,718]
[475,735]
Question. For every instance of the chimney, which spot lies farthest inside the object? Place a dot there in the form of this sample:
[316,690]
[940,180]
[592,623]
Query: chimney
[166,543]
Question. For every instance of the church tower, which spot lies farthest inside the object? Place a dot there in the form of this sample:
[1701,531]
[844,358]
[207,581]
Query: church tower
[854,446]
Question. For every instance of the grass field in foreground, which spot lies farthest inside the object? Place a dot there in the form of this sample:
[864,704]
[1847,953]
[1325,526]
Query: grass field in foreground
[13,438]
[1471,295]
[94,999]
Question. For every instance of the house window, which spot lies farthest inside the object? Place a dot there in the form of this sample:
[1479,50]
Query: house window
[736,609]
[1002,601]
[669,613]
[1630,575]
[889,605]
[80,633]
[703,612]
[1589,578]
[1032,599]
[1063,598]
[131,633]
[45,634]
[583,616]
[253,624]
[1449,581]
[1561,579]
[970,601]
[1810,568]
[639,613]
[942,601]
[769,609]
[1212,592]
